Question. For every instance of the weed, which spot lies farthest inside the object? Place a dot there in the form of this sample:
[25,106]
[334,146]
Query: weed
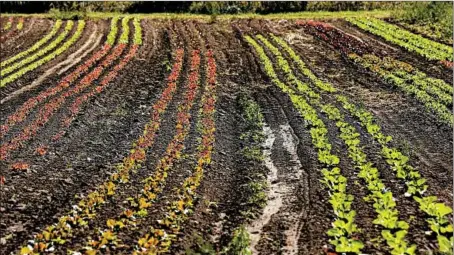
[240,243]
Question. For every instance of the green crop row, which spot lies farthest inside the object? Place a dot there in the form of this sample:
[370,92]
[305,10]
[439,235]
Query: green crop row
[436,87]
[430,30]
[113,31]
[124,37]
[416,187]
[35,46]
[344,227]
[438,212]
[432,104]
[40,52]
[395,230]
[52,55]
[302,67]
[137,32]
[412,42]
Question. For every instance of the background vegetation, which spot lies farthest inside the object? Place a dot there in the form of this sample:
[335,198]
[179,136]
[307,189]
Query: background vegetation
[231,7]
[437,16]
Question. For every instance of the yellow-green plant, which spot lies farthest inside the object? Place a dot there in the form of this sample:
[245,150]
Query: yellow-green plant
[40,52]
[124,37]
[433,104]
[49,57]
[412,42]
[35,46]
[343,227]
[437,212]
[113,31]
[137,32]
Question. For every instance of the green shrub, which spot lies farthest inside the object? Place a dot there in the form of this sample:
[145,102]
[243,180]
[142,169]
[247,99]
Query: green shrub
[240,243]
[350,6]
[437,15]
[67,15]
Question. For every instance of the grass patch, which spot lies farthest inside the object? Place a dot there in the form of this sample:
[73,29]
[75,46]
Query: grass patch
[207,17]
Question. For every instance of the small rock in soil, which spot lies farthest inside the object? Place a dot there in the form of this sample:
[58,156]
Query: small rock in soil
[16,228]
[68,180]
[21,207]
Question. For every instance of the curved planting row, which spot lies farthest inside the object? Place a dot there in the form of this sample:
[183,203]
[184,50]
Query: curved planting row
[437,212]
[391,64]
[154,184]
[75,107]
[19,73]
[344,229]
[35,46]
[49,109]
[394,230]
[341,41]
[159,240]
[434,94]
[41,52]
[21,113]
[387,216]
[412,42]
[438,88]
[86,209]
[436,104]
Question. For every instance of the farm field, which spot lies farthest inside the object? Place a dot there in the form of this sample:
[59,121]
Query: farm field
[131,134]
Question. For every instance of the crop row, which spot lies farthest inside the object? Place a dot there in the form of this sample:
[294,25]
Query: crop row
[416,187]
[433,104]
[341,41]
[86,209]
[21,113]
[412,42]
[159,240]
[35,46]
[138,32]
[436,87]
[384,205]
[49,57]
[75,107]
[437,213]
[113,31]
[407,78]
[154,184]
[432,30]
[344,228]
[67,29]
[53,105]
